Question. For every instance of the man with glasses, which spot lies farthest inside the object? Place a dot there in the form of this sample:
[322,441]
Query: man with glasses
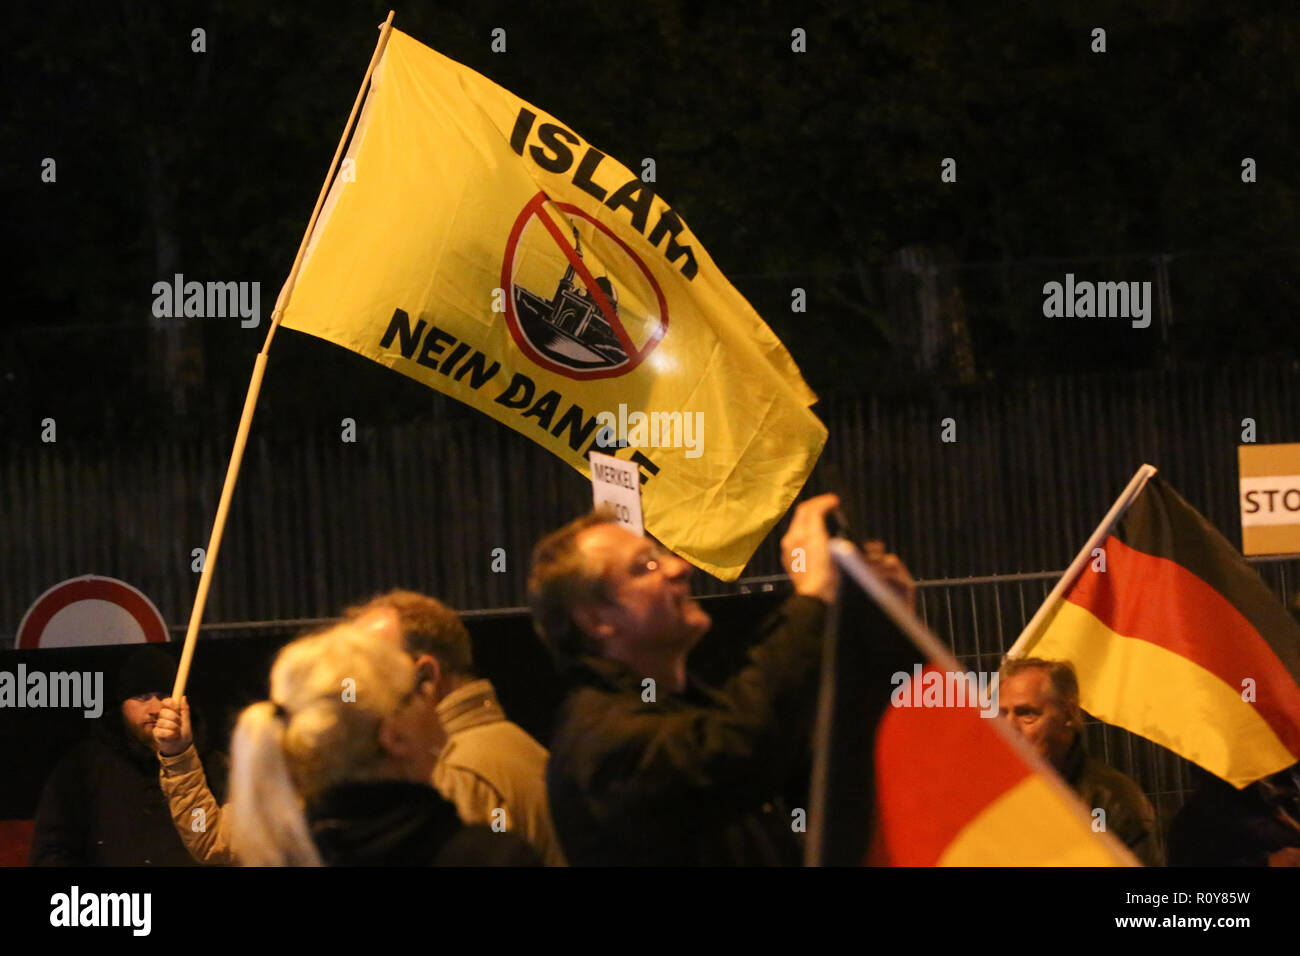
[647,765]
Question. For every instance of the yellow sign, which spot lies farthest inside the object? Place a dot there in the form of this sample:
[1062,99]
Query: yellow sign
[1270,498]
[478,245]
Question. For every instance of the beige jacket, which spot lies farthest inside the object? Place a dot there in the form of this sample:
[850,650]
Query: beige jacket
[488,764]
[198,819]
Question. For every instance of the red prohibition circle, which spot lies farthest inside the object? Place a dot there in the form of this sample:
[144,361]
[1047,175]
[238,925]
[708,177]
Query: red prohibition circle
[635,355]
[90,587]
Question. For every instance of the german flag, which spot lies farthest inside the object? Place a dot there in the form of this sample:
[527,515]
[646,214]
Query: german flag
[952,791]
[1175,637]
[901,736]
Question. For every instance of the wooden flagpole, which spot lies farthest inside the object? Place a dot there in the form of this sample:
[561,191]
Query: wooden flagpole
[255,385]
[1134,488]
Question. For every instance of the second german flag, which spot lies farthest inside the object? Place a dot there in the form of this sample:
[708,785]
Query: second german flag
[1174,637]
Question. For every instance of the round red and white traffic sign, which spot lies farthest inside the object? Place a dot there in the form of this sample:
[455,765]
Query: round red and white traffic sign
[91,610]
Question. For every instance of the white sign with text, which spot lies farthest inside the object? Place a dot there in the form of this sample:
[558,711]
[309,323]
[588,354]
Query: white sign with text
[617,483]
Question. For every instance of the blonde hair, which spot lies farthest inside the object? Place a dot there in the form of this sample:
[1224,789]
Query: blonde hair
[317,731]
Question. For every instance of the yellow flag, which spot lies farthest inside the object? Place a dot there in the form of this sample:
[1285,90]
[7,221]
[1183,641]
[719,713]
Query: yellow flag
[477,245]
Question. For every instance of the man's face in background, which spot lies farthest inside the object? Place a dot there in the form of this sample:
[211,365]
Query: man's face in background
[139,714]
[1029,703]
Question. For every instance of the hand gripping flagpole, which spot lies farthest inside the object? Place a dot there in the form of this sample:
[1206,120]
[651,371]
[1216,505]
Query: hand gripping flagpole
[1134,488]
[255,385]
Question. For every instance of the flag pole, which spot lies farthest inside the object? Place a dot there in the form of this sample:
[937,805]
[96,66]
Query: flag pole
[255,385]
[1134,488]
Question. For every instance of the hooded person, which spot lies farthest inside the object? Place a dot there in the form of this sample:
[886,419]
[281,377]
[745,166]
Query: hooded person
[101,806]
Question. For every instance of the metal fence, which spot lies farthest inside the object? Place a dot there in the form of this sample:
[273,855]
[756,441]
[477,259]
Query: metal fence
[316,523]
[981,617]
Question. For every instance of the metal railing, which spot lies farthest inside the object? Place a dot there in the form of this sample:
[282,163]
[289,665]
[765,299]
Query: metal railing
[981,617]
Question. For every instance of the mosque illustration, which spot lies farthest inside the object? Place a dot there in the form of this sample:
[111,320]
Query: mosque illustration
[569,328]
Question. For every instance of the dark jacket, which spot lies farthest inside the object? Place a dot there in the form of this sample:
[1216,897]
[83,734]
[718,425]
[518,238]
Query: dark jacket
[690,779]
[396,823]
[1223,826]
[1129,814]
[102,806]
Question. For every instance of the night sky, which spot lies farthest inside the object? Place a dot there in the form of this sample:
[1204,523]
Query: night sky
[818,169]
